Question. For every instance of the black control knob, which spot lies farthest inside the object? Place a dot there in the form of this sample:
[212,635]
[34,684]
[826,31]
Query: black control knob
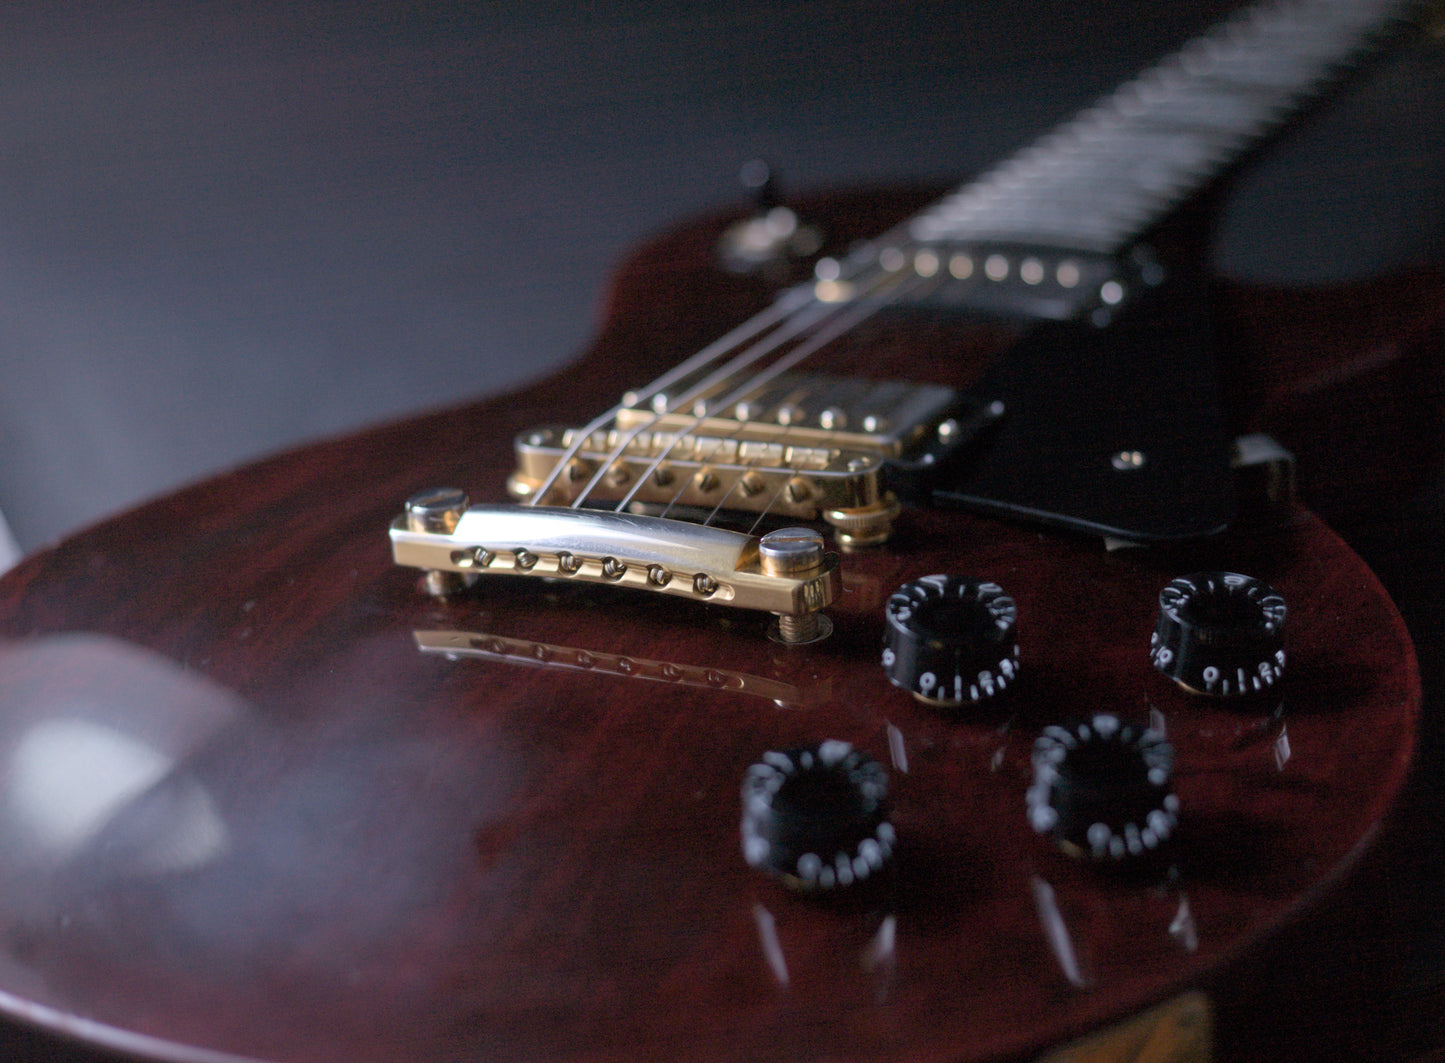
[817,817]
[1220,633]
[949,640]
[1101,788]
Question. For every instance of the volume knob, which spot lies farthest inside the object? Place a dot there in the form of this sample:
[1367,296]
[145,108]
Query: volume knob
[1220,633]
[950,640]
[1102,788]
[816,817]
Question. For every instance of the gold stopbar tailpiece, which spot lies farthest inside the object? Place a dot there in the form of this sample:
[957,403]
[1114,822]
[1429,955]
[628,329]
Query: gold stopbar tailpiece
[786,572]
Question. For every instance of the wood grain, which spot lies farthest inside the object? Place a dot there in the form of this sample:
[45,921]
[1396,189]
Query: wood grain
[351,849]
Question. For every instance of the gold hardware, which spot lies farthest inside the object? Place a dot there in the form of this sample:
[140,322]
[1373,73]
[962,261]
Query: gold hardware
[802,447]
[795,553]
[864,525]
[818,410]
[437,512]
[626,550]
[797,482]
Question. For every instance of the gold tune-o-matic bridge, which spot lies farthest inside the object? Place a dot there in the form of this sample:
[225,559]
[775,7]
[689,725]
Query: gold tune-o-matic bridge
[803,447]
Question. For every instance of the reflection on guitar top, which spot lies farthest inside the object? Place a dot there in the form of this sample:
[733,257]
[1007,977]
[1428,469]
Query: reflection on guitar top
[456,644]
[399,851]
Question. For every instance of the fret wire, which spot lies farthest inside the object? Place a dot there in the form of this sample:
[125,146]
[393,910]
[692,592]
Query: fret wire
[1119,166]
[1091,185]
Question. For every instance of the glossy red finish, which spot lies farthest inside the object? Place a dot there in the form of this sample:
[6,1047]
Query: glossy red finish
[245,813]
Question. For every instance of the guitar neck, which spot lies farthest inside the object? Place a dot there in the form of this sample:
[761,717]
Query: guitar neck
[1096,184]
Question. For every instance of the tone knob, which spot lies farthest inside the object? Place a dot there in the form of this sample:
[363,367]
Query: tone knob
[817,817]
[951,641]
[1220,633]
[1101,788]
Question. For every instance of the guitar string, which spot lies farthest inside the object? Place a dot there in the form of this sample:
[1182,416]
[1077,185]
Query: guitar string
[810,313]
[782,431]
[750,328]
[783,485]
[794,310]
[779,434]
[781,311]
[672,502]
[762,515]
[755,463]
[860,309]
[804,318]
[792,315]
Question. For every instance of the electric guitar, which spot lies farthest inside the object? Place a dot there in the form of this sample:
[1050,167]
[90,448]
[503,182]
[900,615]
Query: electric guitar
[677,744]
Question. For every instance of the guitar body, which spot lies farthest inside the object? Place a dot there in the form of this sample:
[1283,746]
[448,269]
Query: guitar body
[264,798]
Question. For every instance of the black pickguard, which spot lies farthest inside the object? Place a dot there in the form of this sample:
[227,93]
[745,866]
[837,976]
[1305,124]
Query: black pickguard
[1078,396]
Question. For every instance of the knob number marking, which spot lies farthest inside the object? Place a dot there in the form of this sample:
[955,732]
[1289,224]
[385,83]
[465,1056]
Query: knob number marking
[1101,788]
[950,640]
[1220,634]
[816,818]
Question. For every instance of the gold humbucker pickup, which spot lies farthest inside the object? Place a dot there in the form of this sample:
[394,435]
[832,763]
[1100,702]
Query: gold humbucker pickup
[886,417]
[802,447]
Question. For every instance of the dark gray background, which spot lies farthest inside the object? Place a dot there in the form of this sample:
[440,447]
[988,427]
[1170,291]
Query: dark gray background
[229,227]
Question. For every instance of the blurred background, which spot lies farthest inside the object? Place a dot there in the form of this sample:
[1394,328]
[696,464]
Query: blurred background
[228,227]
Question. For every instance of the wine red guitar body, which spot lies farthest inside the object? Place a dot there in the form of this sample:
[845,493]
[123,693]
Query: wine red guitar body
[263,798]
